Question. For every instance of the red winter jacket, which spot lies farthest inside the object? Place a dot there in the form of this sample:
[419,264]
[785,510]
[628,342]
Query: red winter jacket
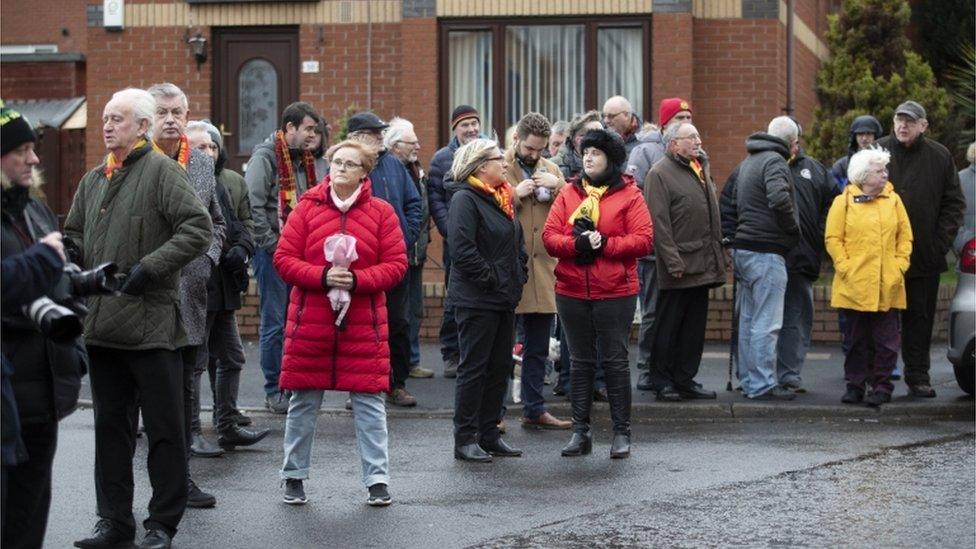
[317,355]
[625,223]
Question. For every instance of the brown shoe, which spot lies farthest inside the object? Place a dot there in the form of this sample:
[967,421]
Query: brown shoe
[546,421]
[400,397]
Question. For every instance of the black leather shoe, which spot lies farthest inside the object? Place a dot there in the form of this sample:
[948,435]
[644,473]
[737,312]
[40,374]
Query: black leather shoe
[472,452]
[240,419]
[669,394]
[202,447]
[239,436]
[877,398]
[106,534]
[695,392]
[156,539]
[620,448]
[853,395]
[580,444]
[500,448]
[197,498]
[644,382]
[922,390]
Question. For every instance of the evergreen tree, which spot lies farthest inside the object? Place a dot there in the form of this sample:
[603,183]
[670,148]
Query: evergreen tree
[871,69]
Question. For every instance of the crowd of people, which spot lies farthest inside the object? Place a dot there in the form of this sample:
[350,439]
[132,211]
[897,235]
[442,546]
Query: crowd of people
[563,233]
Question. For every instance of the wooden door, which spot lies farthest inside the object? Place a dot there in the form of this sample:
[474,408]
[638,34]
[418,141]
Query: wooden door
[255,78]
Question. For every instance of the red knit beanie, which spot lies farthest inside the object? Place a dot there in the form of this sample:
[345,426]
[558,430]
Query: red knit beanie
[670,107]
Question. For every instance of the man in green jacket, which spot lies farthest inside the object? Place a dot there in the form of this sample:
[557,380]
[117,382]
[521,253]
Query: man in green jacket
[137,210]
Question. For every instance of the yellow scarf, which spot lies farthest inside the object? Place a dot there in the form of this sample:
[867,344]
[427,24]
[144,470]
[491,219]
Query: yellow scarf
[590,206]
[502,194]
[182,154]
[697,168]
[112,163]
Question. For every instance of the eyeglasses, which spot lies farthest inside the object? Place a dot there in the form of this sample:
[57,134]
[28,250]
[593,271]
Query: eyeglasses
[609,116]
[345,165]
[693,137]
[500,157]
[410,143]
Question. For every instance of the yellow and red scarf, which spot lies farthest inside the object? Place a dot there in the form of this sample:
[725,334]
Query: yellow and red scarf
[502,194]
[287,185]
[697,168]
[182,157]
[590,206]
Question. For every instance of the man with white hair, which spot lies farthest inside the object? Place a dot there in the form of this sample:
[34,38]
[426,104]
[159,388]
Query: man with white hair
[619,116]
[766,229]
[401,140]
[137,209]
[391,182]
[925,177]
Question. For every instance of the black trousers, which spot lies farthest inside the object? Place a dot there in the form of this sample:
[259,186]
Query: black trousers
[598,331]
[27,488]
[189,358]
[679,336]
[485,338]
[916,327]
[222,356]
[397,311]
[152,379]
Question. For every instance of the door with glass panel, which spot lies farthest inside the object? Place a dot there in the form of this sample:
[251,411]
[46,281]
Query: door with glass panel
[255,78]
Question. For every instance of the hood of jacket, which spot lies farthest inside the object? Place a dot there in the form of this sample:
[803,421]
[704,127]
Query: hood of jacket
[862,124]
[763,142]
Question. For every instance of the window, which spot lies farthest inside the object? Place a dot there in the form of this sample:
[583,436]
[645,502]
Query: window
[559,67]
[258,103]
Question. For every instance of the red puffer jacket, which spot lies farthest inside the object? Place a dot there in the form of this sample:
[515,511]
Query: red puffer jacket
[625,223]
[317,355]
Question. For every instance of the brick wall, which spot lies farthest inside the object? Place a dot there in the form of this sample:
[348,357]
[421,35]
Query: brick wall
[43,80]
[718,329]
[671,73]
[140,57]
[738,85]
[60,22]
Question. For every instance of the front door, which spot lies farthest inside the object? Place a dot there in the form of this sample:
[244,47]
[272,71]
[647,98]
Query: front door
[255,78]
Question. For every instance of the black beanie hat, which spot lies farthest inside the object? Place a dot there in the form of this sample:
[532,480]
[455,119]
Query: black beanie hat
[463,112]
[863,124]
[15,130]
[610,143]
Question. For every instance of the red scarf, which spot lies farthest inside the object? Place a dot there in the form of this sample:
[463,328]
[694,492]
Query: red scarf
[182,153]
[502,194]
[287,186]
[112,163]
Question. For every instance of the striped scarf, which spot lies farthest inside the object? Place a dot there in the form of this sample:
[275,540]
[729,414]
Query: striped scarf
[287,185]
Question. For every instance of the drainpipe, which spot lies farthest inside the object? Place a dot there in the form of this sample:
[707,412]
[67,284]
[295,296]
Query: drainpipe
[790,85]
[369,57]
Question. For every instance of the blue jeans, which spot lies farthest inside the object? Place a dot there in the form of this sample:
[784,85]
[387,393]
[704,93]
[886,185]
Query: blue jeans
[762,289]
[649,292]
[415,290]
[274,306]
[369,411]
[794,338]
[536,350]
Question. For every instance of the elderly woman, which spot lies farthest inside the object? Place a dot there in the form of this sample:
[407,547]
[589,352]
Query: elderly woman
[336,331]
[870,240]
[596,229]
[488,271]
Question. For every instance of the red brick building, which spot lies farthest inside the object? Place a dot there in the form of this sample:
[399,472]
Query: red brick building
[417,58]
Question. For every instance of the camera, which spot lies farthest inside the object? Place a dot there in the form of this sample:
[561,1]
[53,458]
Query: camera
[58,315]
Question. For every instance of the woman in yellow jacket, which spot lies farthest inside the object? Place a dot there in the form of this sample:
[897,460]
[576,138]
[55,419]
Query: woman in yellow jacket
[870,240]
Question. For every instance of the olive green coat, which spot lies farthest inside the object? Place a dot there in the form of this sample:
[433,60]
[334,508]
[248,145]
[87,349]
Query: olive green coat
[147,213]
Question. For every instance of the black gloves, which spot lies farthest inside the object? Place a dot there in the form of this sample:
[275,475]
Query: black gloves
[585,254]
[137,282]
[234,259]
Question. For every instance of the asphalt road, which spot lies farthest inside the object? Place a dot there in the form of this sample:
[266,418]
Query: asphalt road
[689,484]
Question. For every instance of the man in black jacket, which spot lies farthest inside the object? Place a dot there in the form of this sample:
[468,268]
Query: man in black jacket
[814,192]
[764,226]
[926,179]
[47,370]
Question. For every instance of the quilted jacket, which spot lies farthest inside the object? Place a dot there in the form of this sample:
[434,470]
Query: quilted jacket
[318,355]
[147,213]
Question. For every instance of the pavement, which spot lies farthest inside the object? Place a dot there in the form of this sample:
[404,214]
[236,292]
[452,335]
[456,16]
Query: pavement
[823,378]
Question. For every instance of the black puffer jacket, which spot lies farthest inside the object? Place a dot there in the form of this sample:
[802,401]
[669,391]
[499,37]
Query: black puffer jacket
[228,281]
[489,262]
[763,209]
[47,374]
[815,193]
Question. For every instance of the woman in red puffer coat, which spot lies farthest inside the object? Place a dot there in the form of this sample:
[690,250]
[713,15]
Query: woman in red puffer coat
[324,349]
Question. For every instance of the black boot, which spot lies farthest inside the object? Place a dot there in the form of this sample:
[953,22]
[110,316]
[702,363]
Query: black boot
[581,382]
[618,389]
[580,444]
[620,448]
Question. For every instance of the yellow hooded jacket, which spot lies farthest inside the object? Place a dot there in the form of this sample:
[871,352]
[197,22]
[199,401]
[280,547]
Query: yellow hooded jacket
[870,243]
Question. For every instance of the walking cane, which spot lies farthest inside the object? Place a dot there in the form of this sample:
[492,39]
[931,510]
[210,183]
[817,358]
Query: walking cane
[734,342]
